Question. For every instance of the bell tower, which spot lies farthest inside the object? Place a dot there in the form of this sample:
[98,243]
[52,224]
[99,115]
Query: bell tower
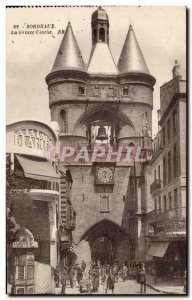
[106,104]
[100,26]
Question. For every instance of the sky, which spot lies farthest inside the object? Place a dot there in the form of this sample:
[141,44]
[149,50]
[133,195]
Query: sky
[160,31]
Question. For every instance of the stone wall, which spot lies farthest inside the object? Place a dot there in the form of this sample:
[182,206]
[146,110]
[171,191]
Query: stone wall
[86,198]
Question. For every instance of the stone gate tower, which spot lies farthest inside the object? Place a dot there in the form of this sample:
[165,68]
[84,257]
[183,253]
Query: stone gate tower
[107,103]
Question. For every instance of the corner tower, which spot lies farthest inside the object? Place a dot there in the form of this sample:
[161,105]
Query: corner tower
[137,90]
[67,85]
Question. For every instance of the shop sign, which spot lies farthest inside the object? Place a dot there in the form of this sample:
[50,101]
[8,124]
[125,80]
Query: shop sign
[32,138]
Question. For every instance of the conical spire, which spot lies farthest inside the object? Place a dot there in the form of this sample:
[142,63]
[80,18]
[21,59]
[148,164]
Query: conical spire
[69,55]
[131,59]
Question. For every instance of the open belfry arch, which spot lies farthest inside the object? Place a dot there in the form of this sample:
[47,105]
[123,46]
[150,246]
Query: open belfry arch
[106,102]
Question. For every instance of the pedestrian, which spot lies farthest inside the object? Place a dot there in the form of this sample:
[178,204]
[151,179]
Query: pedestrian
[111,282]
[56,276]
[95,278]
[79,274]
[71,274]
[108,269]
[104,282]
[124,272]
[64,277]
[142,280]
[83,265]
[138,266]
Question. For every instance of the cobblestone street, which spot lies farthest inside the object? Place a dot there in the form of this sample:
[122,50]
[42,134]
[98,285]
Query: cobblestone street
[129,287]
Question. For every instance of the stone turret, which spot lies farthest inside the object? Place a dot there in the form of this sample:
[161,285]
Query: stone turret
[137,86]
[66,82]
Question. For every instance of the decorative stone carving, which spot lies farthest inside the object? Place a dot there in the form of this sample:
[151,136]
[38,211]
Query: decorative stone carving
[25,239]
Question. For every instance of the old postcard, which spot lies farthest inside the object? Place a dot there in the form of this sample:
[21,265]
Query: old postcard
[96,150]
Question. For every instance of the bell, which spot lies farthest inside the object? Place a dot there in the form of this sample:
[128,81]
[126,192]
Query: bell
[102,134]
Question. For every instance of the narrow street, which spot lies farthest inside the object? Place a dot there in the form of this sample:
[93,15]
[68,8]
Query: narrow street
[129,287]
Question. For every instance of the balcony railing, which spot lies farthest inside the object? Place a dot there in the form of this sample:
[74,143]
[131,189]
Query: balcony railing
[158,215]
[171,214]
[155,186]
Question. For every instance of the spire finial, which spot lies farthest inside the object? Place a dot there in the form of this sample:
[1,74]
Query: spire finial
[69,15]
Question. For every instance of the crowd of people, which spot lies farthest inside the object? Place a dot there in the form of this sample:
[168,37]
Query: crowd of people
[89,280]
[101,277]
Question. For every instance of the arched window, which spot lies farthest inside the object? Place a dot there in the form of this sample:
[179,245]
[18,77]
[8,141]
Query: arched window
[101,35]
[63,120]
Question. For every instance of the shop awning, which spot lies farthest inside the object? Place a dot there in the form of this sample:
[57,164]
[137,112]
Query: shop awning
[37,169]
[158,248]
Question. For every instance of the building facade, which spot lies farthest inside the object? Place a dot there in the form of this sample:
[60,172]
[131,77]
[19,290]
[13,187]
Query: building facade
[169,221]
[160,187]
[101,104]
[38,199]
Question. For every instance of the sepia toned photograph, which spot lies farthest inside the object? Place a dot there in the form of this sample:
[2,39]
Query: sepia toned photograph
[96,129]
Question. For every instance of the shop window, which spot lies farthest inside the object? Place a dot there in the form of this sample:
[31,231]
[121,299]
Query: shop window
[21,272]
[30,272]
[102,35]
[20,291]
[30,290]
[104,203]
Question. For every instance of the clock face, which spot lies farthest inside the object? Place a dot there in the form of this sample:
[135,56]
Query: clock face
[105,175]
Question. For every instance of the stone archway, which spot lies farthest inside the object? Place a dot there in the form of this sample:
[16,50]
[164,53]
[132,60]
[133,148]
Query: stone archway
[100,243]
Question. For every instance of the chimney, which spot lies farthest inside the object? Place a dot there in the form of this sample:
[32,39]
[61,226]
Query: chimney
[175,70]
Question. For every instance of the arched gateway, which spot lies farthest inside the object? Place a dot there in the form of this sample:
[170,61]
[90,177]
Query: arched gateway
[100,104]
[99,244]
